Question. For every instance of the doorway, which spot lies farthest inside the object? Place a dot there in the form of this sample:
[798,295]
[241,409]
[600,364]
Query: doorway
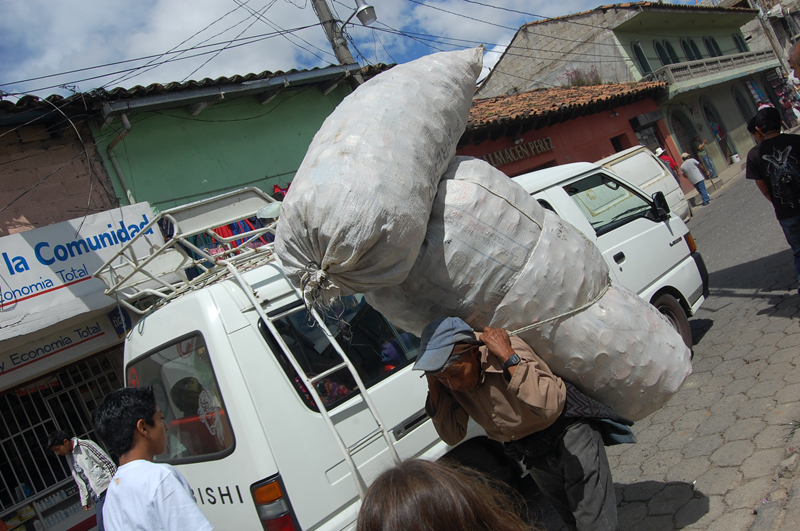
[683,130]
[719,132]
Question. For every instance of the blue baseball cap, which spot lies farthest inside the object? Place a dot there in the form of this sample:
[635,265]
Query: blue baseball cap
[438,340]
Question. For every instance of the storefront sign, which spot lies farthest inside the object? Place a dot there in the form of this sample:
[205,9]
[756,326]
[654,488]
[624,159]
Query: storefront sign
[46,273]
[46,353]
[518,152]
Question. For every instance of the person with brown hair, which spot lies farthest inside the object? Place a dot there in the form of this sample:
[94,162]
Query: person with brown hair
[419,495]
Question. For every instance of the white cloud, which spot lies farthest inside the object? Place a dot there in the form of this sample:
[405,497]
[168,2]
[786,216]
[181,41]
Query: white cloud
[42,37]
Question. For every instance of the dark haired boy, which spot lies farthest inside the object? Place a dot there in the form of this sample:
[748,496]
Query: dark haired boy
[143,495]
[91,468]
[774,164]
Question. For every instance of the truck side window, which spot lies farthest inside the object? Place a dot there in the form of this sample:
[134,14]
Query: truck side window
[187,393]
[606,202]
[373,345]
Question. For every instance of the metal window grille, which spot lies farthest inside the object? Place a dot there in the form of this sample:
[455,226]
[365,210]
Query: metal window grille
[63,400]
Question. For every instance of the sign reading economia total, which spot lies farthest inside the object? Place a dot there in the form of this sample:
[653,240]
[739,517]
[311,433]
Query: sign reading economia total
[49,270]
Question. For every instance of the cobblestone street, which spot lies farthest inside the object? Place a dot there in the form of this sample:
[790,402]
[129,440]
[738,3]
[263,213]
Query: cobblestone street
[714,457]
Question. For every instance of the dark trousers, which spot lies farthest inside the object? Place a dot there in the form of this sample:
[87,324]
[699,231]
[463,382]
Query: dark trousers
[791,229]
[98,510]
[576,478]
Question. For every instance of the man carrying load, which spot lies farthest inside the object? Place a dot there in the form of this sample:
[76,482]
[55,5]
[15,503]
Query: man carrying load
[556,430]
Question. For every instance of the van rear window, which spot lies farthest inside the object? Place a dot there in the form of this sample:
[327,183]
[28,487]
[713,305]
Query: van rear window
[187,393]
[374,346]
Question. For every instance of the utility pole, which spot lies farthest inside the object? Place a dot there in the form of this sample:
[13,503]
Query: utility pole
[771,37]
[336,37]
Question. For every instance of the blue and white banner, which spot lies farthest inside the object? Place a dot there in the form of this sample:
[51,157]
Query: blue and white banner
[46,273]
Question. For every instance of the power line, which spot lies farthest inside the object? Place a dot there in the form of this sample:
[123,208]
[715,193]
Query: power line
[273,26]
[249,41]
[244,41]
[127,76]
[254,15]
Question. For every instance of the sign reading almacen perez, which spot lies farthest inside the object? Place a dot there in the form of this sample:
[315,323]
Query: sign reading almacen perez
[46,273]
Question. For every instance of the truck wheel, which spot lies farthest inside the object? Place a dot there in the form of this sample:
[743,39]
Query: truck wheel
[672,310]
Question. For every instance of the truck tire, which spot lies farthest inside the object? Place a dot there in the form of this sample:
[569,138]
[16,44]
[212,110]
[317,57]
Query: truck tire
[672,310]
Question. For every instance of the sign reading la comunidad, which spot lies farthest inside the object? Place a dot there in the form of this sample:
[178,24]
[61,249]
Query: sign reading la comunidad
[50,269]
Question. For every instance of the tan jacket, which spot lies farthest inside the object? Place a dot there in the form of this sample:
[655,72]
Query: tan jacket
[507,409]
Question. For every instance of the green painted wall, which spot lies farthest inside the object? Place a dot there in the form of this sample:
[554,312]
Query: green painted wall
[171,158]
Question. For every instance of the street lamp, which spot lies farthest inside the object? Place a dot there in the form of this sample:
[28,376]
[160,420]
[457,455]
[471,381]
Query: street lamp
[365,13]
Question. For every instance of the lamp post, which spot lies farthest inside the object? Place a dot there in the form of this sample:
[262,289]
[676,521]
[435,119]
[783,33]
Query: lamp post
[366,15]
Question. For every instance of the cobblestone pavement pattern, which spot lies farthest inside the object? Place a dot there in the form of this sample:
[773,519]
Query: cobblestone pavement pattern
[721,454]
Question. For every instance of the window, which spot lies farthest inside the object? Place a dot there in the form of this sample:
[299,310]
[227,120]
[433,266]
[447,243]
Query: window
[662,53]
[712,47]
[695,50]
[741,45]
[374,346]
[641,59]
[606,202]
[687,50]
[66,400]
[673,57]
[187,393]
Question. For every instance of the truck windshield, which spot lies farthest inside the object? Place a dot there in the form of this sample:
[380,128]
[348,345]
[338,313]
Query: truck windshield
[375,346]
[606,202]
[187,392]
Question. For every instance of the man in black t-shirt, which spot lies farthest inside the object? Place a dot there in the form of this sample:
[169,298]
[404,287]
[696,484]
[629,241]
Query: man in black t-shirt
[774,164]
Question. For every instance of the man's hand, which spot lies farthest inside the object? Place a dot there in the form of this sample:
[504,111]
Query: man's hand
[498,342]
[434,388]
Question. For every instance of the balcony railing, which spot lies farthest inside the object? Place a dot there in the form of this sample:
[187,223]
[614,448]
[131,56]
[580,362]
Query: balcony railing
[678,72]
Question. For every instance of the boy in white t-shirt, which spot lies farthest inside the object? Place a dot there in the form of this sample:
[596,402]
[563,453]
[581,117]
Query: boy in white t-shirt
[143,495]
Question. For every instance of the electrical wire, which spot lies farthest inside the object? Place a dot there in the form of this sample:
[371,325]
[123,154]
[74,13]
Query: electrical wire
[265,37]
[273,26]
[129,75]
[254,15]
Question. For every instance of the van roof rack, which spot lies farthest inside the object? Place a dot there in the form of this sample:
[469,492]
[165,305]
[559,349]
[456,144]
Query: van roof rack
[142,284]
[194,254]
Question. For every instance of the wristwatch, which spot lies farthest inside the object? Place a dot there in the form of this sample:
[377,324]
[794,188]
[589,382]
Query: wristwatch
[511,361]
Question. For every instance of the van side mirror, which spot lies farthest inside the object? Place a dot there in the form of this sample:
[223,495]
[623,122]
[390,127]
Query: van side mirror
[660,206]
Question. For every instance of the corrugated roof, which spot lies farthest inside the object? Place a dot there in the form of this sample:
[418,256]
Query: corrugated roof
[85,100]
[649,5]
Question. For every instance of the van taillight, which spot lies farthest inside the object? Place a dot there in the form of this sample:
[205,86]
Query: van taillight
[690,242]
[274,509]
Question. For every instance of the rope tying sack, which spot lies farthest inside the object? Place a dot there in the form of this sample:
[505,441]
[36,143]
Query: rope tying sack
[562,315]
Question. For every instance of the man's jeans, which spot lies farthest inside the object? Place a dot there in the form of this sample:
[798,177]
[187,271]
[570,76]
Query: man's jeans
[706,160]
[791,229]
[98,509]
[701,187]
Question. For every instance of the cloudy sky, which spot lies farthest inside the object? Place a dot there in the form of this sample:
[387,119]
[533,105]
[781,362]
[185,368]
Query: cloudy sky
[58,46]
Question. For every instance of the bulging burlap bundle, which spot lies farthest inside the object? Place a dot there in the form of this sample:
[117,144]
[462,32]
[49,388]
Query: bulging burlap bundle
[355,216]
[494,257]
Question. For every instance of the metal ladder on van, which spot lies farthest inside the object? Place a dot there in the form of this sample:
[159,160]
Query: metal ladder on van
[142,284]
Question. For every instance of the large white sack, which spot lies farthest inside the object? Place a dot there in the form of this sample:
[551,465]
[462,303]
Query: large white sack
[355,216]
[494,257]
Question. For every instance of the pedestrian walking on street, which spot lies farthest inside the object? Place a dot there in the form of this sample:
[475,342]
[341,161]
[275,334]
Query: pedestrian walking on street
[419,495]
[671,164]
[143,495]
[91,468]
[693,171]
[700,149]
[555,430]
[774,164]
